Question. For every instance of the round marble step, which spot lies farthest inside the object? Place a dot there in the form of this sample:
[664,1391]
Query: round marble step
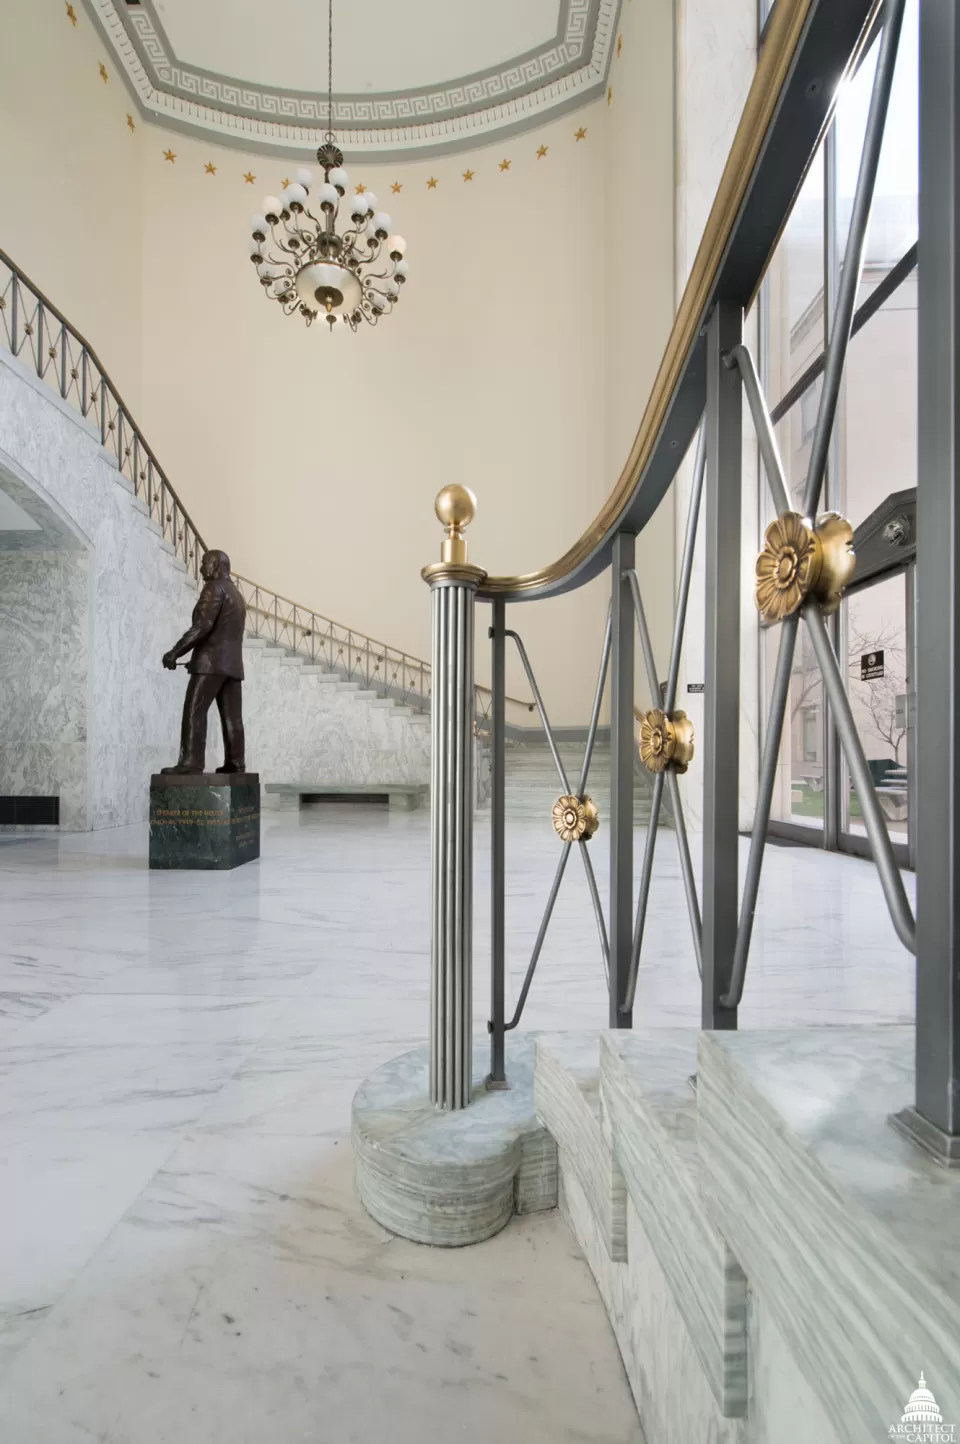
[451,1179]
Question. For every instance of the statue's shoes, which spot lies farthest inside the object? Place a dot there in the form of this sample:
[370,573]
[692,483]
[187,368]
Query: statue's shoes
[183,771]
[233,767]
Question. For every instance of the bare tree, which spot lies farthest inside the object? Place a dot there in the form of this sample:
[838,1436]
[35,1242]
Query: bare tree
[878,695]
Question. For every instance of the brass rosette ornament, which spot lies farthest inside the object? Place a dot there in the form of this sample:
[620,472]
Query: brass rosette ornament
[800,560]
[576,819]
[666,741]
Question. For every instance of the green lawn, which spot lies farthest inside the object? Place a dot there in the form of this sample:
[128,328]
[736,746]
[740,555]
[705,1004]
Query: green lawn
[810,803]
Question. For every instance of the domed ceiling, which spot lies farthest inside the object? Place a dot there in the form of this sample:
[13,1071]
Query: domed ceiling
[410,79]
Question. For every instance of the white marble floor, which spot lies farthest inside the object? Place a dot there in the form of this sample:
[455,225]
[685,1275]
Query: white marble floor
[183,1257]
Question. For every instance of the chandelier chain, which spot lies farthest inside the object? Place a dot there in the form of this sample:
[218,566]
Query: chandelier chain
[330,70]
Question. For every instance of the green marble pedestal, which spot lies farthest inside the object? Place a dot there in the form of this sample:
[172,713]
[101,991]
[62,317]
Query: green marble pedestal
[208,820]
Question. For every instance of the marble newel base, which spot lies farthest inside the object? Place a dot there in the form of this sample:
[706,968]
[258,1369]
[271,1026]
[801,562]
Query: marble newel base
[454,1178]
[208,820]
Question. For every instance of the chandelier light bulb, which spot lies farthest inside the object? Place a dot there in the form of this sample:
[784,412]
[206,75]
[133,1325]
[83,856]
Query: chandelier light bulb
[314,263]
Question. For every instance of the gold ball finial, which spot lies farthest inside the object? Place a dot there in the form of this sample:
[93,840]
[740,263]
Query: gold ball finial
[456,507]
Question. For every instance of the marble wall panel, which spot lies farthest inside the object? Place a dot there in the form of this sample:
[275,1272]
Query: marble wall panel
[846,1231]
[673,1398]
[139,601]
[782,1404]
[302,729]
[44,625]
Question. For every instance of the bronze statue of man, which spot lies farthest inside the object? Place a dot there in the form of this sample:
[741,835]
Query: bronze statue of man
[216,668]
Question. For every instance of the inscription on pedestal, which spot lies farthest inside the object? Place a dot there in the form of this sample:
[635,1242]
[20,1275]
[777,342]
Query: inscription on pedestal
[207,821]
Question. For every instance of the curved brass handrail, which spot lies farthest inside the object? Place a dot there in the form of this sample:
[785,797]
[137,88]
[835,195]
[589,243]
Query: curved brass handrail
[786,27]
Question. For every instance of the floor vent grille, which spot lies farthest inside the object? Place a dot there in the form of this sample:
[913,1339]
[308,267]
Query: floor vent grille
[30,811]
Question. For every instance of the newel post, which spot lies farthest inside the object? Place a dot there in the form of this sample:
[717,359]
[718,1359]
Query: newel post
[453,584]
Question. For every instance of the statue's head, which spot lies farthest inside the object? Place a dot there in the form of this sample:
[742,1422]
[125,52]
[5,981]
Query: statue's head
[214,565]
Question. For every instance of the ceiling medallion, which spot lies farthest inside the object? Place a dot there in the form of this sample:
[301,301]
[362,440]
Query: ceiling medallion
[310,267]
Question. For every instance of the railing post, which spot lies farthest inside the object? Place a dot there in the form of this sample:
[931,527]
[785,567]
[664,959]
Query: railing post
[453,583]
[721,751]
[40,339]
[934,1121]
[498,760]
[622,753]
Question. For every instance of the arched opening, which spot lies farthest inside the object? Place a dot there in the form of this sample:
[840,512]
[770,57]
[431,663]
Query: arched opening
[44,661]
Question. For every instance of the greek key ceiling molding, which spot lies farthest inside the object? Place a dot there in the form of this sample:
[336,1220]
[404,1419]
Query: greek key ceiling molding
[565,73]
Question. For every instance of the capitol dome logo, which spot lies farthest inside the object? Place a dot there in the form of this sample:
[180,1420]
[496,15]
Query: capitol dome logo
[922,1422]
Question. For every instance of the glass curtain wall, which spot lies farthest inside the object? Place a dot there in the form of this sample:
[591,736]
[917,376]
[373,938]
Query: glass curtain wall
[872,466]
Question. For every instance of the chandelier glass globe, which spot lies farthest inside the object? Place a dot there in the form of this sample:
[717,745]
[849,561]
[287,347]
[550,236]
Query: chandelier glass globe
[308,262]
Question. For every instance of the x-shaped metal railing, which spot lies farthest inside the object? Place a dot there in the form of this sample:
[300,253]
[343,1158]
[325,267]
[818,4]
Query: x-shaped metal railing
[575,818]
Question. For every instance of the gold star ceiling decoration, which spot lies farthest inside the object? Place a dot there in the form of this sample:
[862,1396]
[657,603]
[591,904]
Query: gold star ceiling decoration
[170,155]
[130,123]
[468,175]
[432,183]
[71,14]
[619,45]
[103,72]
[285,182]
[396,188]
[249,177]
[359,190]
[580,134]
[210,168]
[609,93]
[504,165]
[542,152]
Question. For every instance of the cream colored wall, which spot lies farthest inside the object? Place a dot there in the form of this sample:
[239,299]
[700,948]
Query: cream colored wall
[314,459]
[70,178]
[513,364]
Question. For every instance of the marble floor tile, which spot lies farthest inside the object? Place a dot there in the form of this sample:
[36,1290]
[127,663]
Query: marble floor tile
[187,1259]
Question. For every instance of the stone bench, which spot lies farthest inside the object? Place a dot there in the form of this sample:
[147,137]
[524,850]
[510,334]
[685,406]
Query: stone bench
[400,796]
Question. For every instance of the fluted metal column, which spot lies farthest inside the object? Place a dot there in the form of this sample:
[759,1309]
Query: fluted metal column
[453,583]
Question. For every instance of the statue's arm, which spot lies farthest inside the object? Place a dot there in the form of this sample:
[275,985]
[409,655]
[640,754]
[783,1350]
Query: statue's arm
[205,614]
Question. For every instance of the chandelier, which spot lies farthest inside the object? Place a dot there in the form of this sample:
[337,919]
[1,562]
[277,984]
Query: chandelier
[310,266]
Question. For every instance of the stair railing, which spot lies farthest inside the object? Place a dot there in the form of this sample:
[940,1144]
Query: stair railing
[41,337]
[809,47]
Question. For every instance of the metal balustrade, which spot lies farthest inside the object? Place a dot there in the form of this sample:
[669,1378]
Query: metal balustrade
[809,46]
[39,335]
